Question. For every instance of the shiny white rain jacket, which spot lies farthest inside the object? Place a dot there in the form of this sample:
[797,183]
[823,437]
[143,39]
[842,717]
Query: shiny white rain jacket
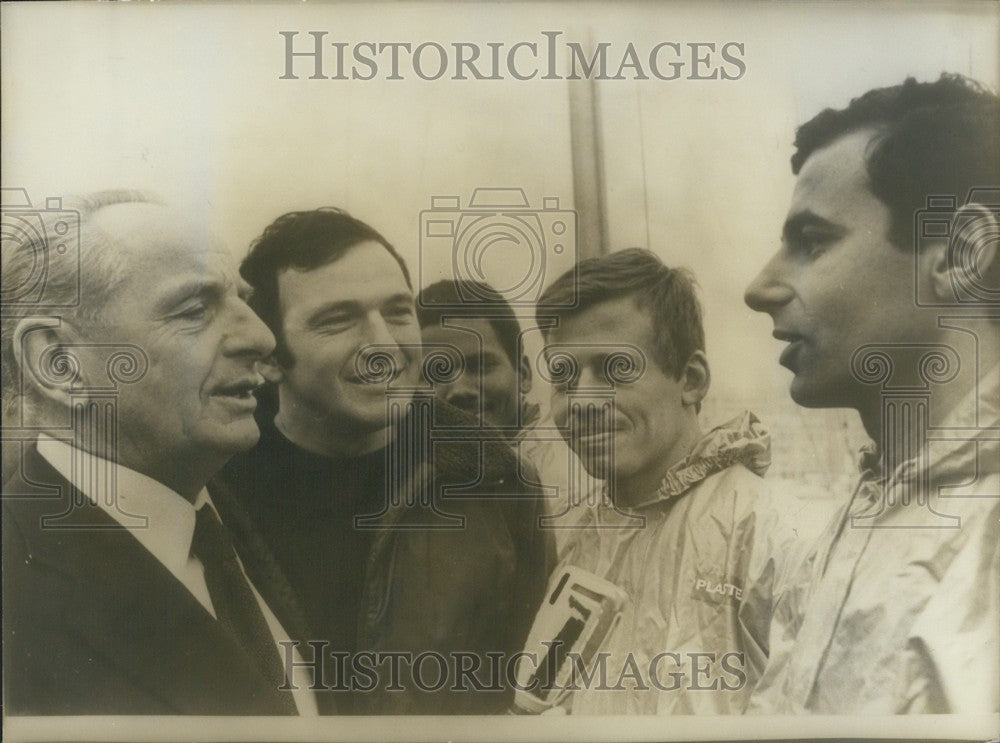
[693,630]
[897,608]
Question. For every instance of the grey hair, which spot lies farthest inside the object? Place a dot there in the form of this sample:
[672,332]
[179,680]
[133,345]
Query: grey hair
[56,263]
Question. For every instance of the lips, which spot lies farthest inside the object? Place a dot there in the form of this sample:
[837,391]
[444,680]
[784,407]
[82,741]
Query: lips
[240,390]
[467,405]
[595,434]
[786,335]
[595,440]
[380,375]
[789,355]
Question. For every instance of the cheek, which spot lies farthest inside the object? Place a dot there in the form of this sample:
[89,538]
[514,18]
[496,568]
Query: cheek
[323,360]
[500,383]
[836,294]
[409,339]
[159,403]
[641,409]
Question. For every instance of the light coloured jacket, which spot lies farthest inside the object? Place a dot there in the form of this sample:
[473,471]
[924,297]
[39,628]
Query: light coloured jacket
[687,573]
[897,608]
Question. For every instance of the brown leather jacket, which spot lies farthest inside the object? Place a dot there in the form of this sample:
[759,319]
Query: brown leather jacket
[456,570]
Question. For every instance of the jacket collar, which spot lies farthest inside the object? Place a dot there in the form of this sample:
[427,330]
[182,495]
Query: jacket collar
[123,603]
[966,441]
[742,440]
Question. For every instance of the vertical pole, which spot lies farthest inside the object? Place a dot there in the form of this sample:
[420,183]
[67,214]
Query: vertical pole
[588,168]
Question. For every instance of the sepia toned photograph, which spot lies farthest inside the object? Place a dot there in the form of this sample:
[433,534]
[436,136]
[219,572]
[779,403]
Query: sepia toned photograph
[500,371]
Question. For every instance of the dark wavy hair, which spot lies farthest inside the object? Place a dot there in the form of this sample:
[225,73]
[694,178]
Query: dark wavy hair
[939,138]
[448,293]
[304,241]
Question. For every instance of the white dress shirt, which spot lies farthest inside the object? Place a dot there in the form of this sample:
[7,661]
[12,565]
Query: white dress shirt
[162,521]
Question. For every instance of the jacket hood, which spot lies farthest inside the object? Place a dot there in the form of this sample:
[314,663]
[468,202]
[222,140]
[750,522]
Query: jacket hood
[742,440]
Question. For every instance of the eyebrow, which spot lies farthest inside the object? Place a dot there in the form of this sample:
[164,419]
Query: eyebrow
[807,218]
[190,289]
[398,297]
[317,315]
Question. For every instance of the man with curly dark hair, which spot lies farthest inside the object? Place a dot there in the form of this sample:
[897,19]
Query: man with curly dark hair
[885,289]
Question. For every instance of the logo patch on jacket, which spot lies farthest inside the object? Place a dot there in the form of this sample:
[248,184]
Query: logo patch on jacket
[716,590]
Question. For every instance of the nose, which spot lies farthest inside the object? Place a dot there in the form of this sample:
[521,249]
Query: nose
[590,379]
[248,335]
[377,340]
[769,289]
[378,330]
[462,393]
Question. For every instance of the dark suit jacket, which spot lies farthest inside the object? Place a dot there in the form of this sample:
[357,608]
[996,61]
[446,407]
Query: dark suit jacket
[94,624]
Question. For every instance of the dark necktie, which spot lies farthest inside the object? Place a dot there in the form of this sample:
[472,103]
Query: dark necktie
[235,606]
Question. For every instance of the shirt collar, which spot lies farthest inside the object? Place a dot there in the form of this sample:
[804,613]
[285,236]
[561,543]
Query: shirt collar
[159,518]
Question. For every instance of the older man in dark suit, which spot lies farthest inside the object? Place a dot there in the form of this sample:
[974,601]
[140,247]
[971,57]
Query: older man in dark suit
[128,589]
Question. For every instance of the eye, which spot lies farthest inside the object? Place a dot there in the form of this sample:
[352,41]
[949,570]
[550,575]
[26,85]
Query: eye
[334,323]
[194,312]
[564,381]
[399,313]
[811,242]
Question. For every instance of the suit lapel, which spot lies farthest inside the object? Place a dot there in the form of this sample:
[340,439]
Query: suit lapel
[123,603]
[259,563]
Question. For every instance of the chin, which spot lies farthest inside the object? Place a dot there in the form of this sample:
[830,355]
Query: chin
[799,396]
[237,439]
[472,412]
[365,423]
[594,461]
[498,421]
[810,397]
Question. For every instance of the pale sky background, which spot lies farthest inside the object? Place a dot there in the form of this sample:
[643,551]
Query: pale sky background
[185,99]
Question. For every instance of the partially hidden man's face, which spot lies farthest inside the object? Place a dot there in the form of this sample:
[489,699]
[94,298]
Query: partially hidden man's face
[837,282]
[489,387]
[640,434]
[180,300]
[334,318]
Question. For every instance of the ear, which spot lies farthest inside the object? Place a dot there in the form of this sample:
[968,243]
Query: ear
[45,366]
[695,379]
[966,266]
[524,374]
[270,370]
